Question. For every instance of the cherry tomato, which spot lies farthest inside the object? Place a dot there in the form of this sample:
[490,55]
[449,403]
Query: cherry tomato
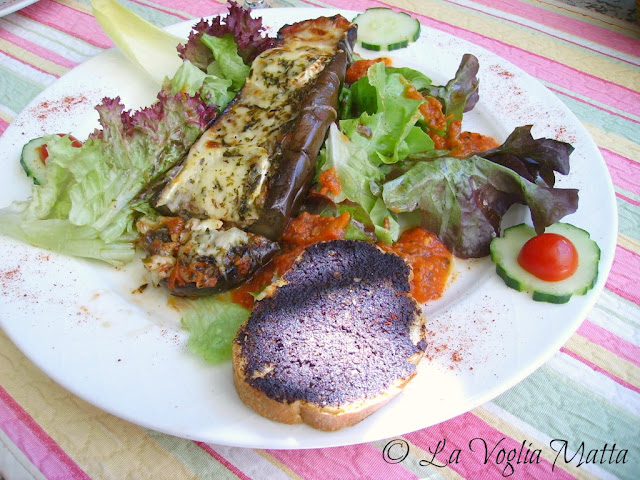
[43,152]
[549,256]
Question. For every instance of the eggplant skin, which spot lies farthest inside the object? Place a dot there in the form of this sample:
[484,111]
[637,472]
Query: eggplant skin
[254,165]
[195,258]
[249,172]
[305,136]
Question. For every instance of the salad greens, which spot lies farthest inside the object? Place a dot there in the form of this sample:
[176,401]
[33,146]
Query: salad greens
[381,151]
[212,323]
[386,163]
[90,199]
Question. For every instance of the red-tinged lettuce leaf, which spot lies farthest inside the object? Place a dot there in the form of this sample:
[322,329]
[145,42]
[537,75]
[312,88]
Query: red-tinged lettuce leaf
[155,138]
[248,33]
[460,94]
[463,201]
[533,159]
[92,194]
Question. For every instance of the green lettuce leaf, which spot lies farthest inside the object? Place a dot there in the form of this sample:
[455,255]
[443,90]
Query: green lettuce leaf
[90,199]
[386,126]
[213,89]
[212,323]
[228,63]
[359,178]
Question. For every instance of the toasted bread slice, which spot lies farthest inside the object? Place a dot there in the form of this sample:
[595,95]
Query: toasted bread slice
[333,340]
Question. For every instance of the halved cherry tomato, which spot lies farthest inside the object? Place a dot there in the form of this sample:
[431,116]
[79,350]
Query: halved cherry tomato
[549,256]
[43,152]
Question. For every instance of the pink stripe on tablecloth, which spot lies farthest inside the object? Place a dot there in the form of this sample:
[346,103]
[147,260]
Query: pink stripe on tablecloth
[574,26]
[68,20]
[624,172]
[601,370]
[36,49]
[354,461]
[591,104]
[3,126]
[603,91]
[628,200]
[619,346]
[623,279]
[35,443]
[231,467]
[470,434]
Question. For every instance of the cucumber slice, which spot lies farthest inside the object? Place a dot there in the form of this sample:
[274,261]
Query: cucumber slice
[381,28]
[31,160]
[505,250]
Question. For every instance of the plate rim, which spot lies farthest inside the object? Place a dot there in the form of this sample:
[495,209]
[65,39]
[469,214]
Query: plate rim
[605,267]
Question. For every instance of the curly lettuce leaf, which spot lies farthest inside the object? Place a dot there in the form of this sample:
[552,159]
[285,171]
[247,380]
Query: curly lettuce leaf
[386,127]
[226,59]
[248,33]
[463,201]
[92,194]
[359,178]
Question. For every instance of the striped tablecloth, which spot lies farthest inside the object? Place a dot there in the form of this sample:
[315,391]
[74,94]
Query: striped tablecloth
[588,394]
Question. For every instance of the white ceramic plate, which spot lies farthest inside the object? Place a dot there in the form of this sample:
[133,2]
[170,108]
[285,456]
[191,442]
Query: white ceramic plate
[125,352]
[10,6]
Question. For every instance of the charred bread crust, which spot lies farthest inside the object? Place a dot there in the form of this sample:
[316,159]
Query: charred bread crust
[333,340]
[304,136]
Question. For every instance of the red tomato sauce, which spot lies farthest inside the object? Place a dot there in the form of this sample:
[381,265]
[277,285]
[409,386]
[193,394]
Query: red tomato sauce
[301,232]
[429,259]
[359,68]
[329,182]
[451,137]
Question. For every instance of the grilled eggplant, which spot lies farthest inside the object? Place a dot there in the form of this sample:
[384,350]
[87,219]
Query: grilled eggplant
[250,171]
[198,257]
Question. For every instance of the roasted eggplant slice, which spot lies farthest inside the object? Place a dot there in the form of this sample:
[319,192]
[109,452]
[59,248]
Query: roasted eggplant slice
[248,173]
[252,168]
[200,257]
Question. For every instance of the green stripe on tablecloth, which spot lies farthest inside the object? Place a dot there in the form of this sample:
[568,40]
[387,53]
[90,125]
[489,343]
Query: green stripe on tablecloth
[412,462]
[193,457]
[602,119]
[628,219]
[562,408]
[17,90]
[150,14]
[618,309]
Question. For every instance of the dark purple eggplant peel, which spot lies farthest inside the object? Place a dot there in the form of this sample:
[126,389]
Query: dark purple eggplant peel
[250,171]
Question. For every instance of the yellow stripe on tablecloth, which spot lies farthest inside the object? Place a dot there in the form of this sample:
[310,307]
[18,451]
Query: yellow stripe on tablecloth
[546,453]
[629,243]
[620,145]
[278,464]
[76,5]
[32,59]
[540,44]
[102,445]
[587,15]
[604,359]
[7,117]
